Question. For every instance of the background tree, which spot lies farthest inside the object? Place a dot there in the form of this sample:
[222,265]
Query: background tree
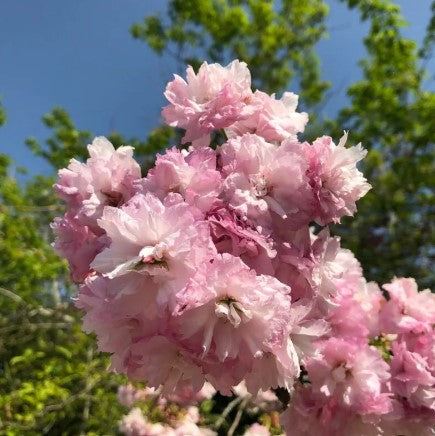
[51,378]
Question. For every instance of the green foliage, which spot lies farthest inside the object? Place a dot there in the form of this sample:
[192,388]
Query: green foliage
[28,264]
[67,142]
[276,39]
[392,115]
[52,380]
[426,49]
[2,114]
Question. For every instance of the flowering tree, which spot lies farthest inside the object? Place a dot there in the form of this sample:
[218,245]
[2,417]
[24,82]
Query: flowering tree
[217,269]
[52,381]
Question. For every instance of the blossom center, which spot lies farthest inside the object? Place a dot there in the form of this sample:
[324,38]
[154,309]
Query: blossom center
[259,186]
[341,372]
[113,198]
[231,310]
[152,255]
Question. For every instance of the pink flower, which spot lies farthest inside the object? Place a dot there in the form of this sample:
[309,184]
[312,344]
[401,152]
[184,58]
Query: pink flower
[327,267]
[105,179]
[117,310]
[163,363]
[310,413]
[233,235]
[187,428]
[78,244]
[261,179]
[257,430]
[412,377]
[185,395]
[311,266]
[335,180]
[274,369]
[354,375]
[306,330]
[357,316]
[134,424]
[358,303]
[272,119]
[193,176]
[161,240]
[228,311]
[126,395]
[210,100]
[407,309]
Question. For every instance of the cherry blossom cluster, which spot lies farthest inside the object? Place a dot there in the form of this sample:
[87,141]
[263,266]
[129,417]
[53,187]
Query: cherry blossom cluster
[178,414]
[208,268]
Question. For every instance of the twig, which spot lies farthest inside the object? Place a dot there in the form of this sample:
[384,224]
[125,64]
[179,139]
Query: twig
[238,417]
[30,208]
[55,407]
[87,406]
[12,295]
[35,326]
[226,412]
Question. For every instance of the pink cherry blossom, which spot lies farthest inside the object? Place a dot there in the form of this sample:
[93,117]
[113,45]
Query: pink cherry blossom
[412,377]
[257,430]
[353,375]
[78,244]
[407,309]
[185,395]
[233,235]
[229,311]
[272,119]
[261,179]
[306,329]
[205,275]
[162,363]
[117,310]
[161,240]
[335,180]
[105,179]
[194,176]
[126,395]
[134,424]
[212,99]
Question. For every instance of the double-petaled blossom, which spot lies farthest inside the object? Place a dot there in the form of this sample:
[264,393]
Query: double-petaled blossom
[233,235]
[106,179]
[311,413]
[354,376]
[261,179]
[194,176]
[408,310]
[334,178]
[161,240]
[227,312]
[257,430]
[412,377]
[162,362]
[212,99]
[272,119]
[78,244]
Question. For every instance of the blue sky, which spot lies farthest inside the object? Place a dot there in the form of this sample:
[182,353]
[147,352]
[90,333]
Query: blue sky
[79,55]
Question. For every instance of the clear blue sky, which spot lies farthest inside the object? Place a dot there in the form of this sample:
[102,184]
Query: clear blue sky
[79,55]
